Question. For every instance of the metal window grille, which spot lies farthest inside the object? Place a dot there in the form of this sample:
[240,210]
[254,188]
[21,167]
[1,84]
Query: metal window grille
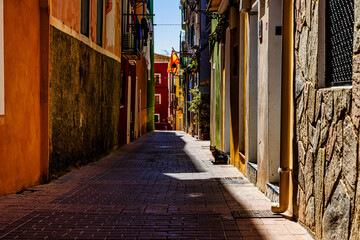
[339,41]
[99,22]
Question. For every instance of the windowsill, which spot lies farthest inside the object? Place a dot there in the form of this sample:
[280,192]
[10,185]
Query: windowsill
[336,87]
[253,165]
[275,187]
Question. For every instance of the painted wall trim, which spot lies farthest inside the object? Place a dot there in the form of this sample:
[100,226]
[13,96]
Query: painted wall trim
[68,30]
[2,75]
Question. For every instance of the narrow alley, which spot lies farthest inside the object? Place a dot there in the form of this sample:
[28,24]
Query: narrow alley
[162,186]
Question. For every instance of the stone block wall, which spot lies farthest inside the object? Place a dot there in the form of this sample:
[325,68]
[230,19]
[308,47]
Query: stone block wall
[326,169]
[84,103]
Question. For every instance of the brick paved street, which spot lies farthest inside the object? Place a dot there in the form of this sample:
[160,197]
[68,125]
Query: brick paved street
[162,186]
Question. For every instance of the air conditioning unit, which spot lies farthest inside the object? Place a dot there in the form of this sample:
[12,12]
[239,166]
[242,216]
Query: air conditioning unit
[128,41]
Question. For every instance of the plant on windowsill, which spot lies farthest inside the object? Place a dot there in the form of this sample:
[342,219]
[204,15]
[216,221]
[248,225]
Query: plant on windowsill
[193,64]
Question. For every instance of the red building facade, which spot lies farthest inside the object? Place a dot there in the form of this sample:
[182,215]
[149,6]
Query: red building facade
[161,93]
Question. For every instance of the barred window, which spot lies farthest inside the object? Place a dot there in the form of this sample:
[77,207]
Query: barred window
[339,41]
[85,12]
[99,22]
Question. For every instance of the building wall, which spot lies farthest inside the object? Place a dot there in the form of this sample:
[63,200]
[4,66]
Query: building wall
[217,99]
[66,16]
[20,128]
[162,108]
[180,97]
[84,102]
[235,97]
[142,75]
[85,114]
[162,89]
[326,170]
[262,109]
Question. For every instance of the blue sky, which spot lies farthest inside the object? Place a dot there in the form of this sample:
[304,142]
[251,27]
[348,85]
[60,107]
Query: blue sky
[166,37]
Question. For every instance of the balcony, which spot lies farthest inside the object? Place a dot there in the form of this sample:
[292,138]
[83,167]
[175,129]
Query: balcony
[130,45]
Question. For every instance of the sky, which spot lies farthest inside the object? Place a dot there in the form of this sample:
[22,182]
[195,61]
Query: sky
[167,37]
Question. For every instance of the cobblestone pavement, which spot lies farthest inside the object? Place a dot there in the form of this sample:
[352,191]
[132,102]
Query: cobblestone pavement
[162,186]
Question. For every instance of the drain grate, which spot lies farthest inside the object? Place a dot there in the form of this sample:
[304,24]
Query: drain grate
[254,214]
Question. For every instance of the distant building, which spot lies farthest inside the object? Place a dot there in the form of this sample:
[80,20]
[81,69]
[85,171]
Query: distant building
[162,82]
[195,65]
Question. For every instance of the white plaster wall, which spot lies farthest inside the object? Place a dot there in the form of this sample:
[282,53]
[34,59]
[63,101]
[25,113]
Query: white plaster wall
[269,96]
[212,105]
[222,78]
[274,88]
[2,81]
[251,89]
[262,108]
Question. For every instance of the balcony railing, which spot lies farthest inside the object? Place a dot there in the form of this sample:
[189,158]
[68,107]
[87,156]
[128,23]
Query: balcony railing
[130,37]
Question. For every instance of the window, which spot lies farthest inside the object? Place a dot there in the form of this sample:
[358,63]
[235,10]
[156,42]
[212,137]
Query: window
[157,118]
[2,90]
[99,22]
[85,11]
[157,78]
[339,41]
[157,98]
[123,88]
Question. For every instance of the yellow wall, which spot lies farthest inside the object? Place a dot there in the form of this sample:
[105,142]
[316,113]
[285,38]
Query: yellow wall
[179,95]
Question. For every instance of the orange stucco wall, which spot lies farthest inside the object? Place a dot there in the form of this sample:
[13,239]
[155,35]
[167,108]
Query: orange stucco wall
[141,73]
[68,11]
[93,17]
[20,128]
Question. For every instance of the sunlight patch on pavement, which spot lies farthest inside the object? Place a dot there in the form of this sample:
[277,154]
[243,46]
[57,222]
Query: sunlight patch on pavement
[190,176]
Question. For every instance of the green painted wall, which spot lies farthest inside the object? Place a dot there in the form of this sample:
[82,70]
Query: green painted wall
[217,94]
[151,83]
[217,61]
[84,103]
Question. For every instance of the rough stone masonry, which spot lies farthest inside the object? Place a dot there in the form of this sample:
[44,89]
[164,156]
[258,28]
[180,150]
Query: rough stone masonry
[327,186]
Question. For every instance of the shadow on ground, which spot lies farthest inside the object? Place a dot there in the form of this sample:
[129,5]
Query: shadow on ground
[158,187]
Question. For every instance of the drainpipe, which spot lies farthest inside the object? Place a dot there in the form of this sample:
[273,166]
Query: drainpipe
[283,204]
[287,112]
